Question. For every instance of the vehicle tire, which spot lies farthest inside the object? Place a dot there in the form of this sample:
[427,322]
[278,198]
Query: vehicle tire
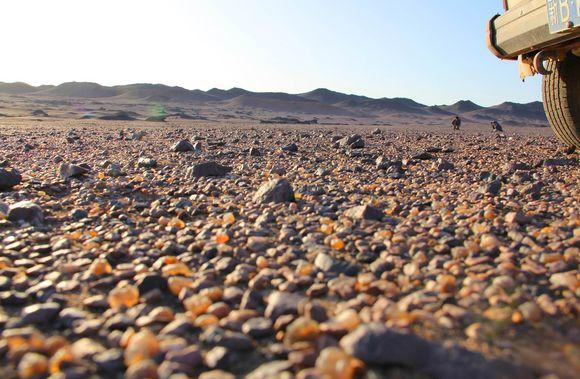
[561,94]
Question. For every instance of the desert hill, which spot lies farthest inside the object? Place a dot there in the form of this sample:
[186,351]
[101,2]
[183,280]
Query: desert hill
[462,106]
[79,90]
[320,101]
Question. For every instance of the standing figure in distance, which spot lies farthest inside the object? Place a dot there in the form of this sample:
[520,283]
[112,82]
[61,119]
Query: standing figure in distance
[456,123]
[496,126]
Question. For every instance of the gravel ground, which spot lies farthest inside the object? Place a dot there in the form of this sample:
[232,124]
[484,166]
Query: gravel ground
[229,250]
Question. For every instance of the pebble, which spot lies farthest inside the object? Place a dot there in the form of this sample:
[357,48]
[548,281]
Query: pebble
[208,169]
[364,212]
[280,303]
[258,327]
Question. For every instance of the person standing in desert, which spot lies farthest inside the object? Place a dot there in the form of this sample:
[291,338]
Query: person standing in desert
[456,123]
[496,126]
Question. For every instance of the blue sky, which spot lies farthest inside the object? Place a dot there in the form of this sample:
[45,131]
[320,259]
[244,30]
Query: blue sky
[428,50]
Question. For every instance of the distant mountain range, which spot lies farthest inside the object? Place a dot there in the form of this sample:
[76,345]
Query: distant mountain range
[318,102]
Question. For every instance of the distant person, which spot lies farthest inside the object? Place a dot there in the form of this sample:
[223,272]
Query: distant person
[456,123]
[496,126]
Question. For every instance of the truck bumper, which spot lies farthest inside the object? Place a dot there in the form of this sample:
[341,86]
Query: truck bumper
[524,30]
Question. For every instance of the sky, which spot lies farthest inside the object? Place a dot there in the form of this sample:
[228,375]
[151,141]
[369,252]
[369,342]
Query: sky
[429,50]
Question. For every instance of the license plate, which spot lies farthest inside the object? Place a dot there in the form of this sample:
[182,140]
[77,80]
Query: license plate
[563,15]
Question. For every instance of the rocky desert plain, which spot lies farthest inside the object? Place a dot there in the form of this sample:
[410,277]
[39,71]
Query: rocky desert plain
[156,232]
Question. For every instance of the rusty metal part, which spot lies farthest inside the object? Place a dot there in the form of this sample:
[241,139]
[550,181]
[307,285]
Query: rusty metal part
[538,63]
[526,67]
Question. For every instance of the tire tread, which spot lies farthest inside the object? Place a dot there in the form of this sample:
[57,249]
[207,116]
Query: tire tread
[561,95]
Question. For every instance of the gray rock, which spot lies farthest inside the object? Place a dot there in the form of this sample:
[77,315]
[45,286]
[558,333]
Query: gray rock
[146,162]
[354,141]
[66,170]
[78,214]
[152,282]
[443,165]
[182,146]
[383,163]
[324,262]
[208,169]
[110,360]
[114,170]
[177,327]
[422,156]
[189,356]
[395,172]
[281,303]
[491,188]
[69,315]
[26,211]
[292,148]
[9,178]
[274,191]
[40,313]
[215,335]
[375,344]
[258,327]
[364,212]
[487,176]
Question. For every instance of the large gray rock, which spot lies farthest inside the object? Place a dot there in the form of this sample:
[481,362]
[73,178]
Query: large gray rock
[275,191]
[146,162]
[354,141]
[208,169]
[282,303]
[66,170]
[364,212]
[26,211]
[40,313]
[377,345]
[182,146]
[9,178]
[324,262]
